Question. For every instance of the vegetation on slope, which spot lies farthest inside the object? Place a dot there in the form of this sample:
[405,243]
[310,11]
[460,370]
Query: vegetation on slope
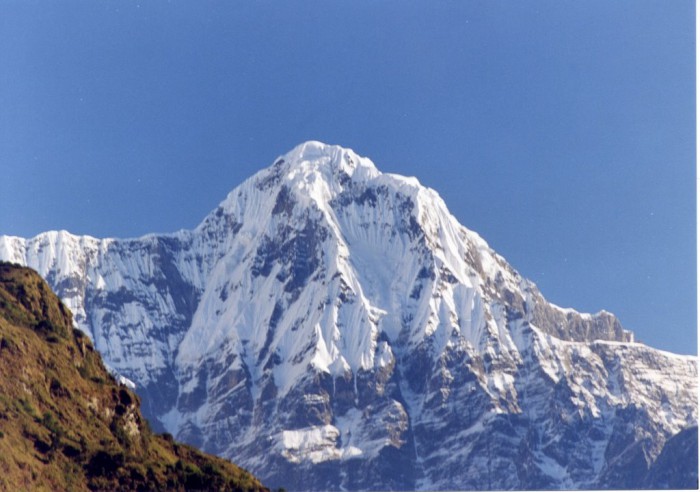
[65,422]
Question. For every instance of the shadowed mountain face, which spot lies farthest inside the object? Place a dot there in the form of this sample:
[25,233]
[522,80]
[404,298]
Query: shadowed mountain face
[329,326]
[677,465]
[66,423]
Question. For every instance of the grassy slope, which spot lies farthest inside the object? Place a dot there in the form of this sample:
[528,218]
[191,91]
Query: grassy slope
[66,424]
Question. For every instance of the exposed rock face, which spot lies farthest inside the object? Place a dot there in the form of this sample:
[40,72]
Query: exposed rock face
[329,326]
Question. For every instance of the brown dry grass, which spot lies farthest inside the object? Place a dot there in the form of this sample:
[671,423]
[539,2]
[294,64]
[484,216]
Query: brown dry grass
[66,424]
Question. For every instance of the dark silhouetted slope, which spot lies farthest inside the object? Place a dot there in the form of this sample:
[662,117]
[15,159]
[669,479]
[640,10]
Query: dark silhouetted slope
[66,423]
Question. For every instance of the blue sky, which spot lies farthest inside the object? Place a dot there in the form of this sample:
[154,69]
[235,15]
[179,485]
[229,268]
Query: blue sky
[561,131]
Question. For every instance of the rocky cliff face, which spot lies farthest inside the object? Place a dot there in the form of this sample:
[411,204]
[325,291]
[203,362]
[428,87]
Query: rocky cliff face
[330,326]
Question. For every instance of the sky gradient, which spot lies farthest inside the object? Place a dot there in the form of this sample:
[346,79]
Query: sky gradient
[561,131]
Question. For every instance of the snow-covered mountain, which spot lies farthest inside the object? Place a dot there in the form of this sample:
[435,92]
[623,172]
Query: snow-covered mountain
[332,327]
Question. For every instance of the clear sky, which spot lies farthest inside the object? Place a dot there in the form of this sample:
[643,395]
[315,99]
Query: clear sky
[561,131]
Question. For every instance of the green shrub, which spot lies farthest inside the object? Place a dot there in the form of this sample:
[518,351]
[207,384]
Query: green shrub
[105,463]
[50,422]
[26,406]
[52,338]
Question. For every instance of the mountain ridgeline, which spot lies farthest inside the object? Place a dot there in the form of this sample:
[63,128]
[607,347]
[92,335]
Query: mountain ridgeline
[66,423]
[329,326]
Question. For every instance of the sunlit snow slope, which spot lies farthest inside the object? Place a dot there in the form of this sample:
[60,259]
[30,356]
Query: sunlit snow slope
[332,327]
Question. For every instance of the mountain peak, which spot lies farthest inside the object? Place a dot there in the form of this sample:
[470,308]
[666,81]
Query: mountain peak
[339,165]
[314,156]
[312,174]
[326,313]
[320,171]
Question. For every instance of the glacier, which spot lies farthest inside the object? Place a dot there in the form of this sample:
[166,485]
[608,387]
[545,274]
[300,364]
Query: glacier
[329,326]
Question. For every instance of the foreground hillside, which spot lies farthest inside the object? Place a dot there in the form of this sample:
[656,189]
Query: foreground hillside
[66,424]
